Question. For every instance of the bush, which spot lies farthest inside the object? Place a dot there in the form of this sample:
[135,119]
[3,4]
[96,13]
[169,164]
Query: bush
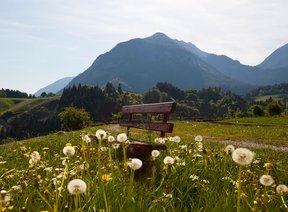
[73,119]
[255,110]
[273,109]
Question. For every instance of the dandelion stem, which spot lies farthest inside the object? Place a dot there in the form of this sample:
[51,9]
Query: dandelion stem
[283,201]
[44,199]
[99,159]
[105,198]
[239,188]
[124,156]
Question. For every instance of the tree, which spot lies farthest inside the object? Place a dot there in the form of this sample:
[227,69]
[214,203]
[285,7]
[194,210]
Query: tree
[73,119]
[152,96]
[273,108]
[256,110]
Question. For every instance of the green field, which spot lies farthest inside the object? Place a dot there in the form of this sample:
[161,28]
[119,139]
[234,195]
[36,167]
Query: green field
[275,97]
[201,179]
[8,103]
[280,121]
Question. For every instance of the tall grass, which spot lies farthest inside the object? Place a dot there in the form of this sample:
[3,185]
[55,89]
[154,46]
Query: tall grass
[202,178]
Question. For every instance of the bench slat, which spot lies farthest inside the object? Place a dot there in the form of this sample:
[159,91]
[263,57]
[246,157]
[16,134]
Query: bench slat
[162,127]
[164,107]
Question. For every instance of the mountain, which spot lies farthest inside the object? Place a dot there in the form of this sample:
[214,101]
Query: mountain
[139,64]
[278,59]
[55,86]
[274,68]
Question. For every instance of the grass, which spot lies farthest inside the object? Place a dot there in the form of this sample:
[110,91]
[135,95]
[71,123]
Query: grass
[273,135]
[276,121]
[201,179]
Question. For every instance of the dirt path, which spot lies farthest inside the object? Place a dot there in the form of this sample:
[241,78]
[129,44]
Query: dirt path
[248,144]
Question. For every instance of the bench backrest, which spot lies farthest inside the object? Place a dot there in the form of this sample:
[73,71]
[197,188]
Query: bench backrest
[163,108]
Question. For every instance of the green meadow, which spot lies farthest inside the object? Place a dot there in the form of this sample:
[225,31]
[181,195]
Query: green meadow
[202,177]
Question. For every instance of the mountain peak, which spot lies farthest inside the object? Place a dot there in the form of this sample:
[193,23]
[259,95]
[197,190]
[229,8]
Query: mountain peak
[159,36]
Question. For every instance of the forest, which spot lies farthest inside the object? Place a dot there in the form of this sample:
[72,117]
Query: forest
[103,106]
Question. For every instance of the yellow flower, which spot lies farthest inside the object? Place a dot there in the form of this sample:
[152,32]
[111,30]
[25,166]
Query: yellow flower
[106,177]
[45,148]
[68,144]
[31,165]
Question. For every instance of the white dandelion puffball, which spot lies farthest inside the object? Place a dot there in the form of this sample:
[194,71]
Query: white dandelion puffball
[266,180]
[76,186]
[86,138]
[35,156]
[69,150]
[281,189]
[155,153]
[115,145]
[101,134]
[135,163]
[122,137]
[168,160]
[110,138]
[176,139]
[229,149]
[198,138]
[242,156]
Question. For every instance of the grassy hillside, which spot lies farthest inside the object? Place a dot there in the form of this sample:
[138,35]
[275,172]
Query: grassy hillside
[31,117]
[202,178]
[8,103]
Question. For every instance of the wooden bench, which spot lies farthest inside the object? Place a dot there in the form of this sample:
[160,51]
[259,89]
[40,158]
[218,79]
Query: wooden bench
[160,111]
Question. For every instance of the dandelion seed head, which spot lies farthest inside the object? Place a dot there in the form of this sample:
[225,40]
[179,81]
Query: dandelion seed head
[135,163]
[198,138]
[176,139]
[101,134]
[110,138]
[86,138]
[122,137]
[155,153]
[35,156]
[69,150]
[281,189]
[242,156]
[266,180]
[168,160]
[229,149]
[76,186]
[115,146]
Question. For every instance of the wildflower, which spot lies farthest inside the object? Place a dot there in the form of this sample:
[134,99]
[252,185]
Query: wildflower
[101,134]
[111,138]
[242,156]
[122,137]
[162,140]
[199,146]
[184,147]
[268,166]
[266,180]
[167,195]
[68,150]
[106,177]
[35,156]
[115,145]
[176,139]
[135,163]
[198,138]
[229,149]
[86,138]
[76,186]
[168,160]
[194,177]
[155,153]
[281,189]
[68,144]
[4,197]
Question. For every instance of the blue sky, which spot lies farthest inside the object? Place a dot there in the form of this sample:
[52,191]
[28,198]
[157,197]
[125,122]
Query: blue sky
[42,41]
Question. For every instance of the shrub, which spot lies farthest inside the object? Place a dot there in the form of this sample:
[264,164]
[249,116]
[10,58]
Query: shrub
[73,119]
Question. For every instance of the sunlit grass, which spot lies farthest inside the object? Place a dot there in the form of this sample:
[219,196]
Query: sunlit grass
[202,176]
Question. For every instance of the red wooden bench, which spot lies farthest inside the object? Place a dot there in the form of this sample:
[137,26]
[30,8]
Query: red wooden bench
[139,116]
